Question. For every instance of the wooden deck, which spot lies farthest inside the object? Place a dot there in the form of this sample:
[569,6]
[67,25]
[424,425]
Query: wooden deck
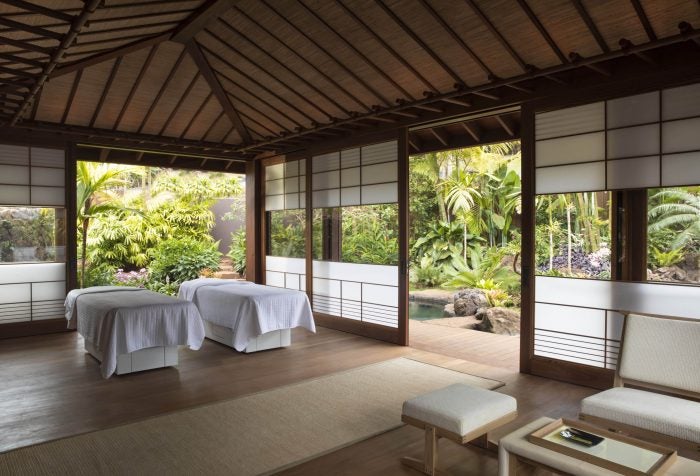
[466,344]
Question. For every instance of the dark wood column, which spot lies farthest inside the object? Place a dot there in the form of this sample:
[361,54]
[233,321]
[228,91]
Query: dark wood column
[255,249]
[527,255]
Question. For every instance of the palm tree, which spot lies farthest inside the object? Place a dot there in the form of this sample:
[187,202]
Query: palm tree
[94,181]
[679,210]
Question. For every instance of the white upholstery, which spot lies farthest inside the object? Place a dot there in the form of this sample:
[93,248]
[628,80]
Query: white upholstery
[662,352]
[647,410]
[459,408]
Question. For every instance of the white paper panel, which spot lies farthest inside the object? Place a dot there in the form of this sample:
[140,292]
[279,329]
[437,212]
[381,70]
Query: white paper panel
[291,169]
[32,273]
[321,163]
[681,136]
[352,290]
[633,141]
[614,325]
[326,198]
[383,152]
[648,298]
[302,200]
[568,356]
[382,193]
[574,120]
[285,265]
[570,178]
[350,196]
[302,184]
[368,273]
[274,172]
[274,202]
[640,172]
[48,157]
[292,281]
[14,292]
[387,296]
[47,176]
[571,320]
[327,287]
[14,155]
[14,195]
[291,201]
[681,102]
[291,185]
[350,158]
[48,196]
[379,173]
[274,187]
[350,177]
[48,291]
[680,169]
[273,278]
[14,175]
[568,150]
[631,110]
[325,180]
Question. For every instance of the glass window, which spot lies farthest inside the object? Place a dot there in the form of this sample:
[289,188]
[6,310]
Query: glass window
[673,240]
[572,235]
[285,233]
[32,234]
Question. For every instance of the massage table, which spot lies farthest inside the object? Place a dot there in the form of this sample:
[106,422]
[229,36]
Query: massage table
[246,316]
[131,329]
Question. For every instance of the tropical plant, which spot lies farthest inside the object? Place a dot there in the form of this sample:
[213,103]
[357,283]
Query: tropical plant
[370,234]
[482,267]
[676,209]
[661,259]
[237,252]
[182,259]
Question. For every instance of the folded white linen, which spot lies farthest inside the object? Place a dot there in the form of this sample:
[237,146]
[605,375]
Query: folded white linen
[249,310]
[123,320]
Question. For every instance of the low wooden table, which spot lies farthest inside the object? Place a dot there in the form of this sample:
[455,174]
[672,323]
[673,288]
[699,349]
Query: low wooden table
[515,447]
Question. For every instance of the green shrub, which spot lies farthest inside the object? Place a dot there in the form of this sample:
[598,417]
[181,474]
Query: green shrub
[237,253]
[101,274]
[179,260]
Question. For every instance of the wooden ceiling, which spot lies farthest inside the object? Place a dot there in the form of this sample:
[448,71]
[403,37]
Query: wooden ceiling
[241,78]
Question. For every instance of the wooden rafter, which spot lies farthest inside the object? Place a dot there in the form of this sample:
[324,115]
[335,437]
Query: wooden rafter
[205,69]
[105,91]
[195,116]
[162,89]
[472,130]
[506,125]
[282,128]
[590,24]
[42,32]
[203,16]
[440,136]
[644,20]
[24,46]
[135,85]
[32,7]
[543,31]
[184,95]
[71,96]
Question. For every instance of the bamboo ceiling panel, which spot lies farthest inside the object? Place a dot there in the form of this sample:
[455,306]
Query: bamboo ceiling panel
[88,94]
[567,28]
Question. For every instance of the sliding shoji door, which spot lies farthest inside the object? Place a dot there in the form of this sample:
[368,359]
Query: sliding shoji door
[32,234]
[596,151]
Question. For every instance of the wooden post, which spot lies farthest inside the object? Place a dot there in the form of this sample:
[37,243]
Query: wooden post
[254,214]
[431,454]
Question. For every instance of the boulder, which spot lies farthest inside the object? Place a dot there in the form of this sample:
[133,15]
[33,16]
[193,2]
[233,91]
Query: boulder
[498,320]
[449,310]
[468,301]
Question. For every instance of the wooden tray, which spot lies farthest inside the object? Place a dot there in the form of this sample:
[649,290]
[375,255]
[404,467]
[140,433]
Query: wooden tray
[609,454]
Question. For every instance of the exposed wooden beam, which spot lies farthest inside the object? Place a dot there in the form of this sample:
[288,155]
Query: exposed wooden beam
[71,96]
[282,128]
[184,95]
[17,72]
[162,89]
[543,31]
[105,91]
[200,19]
[31,7]
[455,77]
[440,135]
[23,45]
[459,102]
[506,125]
[111,54]
[644,20]
[414,142]
[43,32]
[590,24]
[472,130]
[137,82]
[20,59]
[215,86]
[598,68]
[213,124]
[56,54]
[195,116]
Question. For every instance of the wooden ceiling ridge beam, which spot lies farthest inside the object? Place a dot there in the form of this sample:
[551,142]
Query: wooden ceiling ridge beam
[206,71]
[287,68]
[348,71]
[76,26]
[378,70]
[689,35]
[406,64]
[32,7]
[458,39]
[590,24]
[318,71]
[419,41]
[256,82]
[543,31]
[274,77]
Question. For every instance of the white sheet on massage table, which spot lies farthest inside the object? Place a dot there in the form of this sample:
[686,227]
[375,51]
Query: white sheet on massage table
[120,320]
[249,309]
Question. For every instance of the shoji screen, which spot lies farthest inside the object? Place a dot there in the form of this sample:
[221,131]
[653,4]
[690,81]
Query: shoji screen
[353,181]
[636,142]
[285,202]
[32,234]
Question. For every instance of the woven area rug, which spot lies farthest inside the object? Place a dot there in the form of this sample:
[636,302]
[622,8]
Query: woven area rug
[255,434]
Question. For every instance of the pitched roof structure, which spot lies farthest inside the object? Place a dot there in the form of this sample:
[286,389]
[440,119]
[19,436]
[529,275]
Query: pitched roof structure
[241,78]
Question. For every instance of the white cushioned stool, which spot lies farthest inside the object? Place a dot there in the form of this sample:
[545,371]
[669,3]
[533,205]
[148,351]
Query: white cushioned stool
[460,412]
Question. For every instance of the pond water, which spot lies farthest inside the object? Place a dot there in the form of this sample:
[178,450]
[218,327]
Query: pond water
[422,311]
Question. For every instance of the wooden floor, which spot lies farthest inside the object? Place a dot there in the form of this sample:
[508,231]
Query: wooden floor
[467,344]
[51,388]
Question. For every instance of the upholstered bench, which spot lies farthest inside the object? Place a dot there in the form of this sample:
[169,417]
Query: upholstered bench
[460,412]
